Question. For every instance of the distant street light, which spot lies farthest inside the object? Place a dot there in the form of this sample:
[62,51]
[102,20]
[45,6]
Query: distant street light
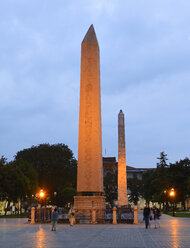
[172,192]
[41,194]
[172,195]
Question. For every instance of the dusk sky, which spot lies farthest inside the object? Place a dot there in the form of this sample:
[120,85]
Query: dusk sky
[145,71]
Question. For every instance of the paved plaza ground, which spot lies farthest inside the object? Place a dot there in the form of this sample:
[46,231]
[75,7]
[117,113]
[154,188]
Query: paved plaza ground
[174,233]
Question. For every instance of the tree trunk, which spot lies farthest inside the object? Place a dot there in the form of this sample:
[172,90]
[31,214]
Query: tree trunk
[183,203]
[19,206]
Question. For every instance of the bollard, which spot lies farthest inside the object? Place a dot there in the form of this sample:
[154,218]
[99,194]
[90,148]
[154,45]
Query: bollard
[114,215]
[135,215]
[93,215]
[32,216]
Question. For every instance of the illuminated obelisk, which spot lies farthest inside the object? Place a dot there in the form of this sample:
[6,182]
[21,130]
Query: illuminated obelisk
[122,176]
[90,168]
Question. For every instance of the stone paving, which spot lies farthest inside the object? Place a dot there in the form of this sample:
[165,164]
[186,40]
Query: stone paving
[174,233]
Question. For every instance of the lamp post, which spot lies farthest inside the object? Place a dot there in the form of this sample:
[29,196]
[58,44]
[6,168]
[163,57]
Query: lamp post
[165,207]
[55,198]
[172,195]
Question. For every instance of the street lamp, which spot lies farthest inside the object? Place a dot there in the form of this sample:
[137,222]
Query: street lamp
[172,192]
[172,195]
[41,195]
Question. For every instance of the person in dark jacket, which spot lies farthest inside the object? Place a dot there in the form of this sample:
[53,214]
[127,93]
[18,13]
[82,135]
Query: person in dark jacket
[146,214]
[54,219]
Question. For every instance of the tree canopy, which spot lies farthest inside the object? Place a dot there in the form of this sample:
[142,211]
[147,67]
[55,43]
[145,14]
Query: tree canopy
[54,168]
[158,182]
[135,186]
[18,179]
[55,165]
[110,186]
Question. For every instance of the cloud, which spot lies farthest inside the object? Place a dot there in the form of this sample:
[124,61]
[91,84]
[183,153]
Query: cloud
[144,52]
[155,113]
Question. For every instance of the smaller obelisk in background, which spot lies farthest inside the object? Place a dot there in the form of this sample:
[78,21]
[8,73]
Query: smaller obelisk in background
[122,175]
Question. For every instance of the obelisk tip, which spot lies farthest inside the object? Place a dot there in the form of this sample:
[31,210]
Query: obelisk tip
[90,36]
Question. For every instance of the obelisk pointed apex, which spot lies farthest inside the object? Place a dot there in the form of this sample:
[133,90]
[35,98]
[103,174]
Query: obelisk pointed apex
[90,36]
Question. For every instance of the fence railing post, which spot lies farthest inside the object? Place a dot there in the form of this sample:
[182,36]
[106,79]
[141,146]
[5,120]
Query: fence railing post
[32,216]
[114,215]
[93,215]
[135,215]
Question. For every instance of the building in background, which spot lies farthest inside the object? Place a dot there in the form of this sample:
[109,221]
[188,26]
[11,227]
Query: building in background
[110,164]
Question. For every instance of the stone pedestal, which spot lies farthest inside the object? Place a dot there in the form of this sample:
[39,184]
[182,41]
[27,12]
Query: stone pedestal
[84,205]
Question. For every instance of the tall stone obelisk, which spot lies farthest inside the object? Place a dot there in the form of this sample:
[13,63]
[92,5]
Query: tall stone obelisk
[122,176]
[90,168]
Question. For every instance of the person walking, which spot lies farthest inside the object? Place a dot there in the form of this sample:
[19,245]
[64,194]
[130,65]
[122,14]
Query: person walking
[71,216]
[54,219]
[156,213]
[146,214]
[150,218]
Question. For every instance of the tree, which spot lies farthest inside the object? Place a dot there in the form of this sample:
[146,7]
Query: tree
[55,165]
[161,181]
[28,170]
[158,182]
[3,161]
[179,177]
[188,186]
[65,196]
[110,186]
[148,186]
[163,159]
[135,186]
[17,181]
